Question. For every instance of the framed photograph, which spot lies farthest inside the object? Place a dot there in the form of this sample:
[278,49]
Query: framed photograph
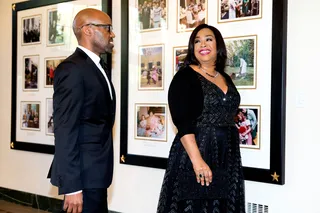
[31,30]
[49,116]
[179,54]
[48,23]
[151,74]
[30,115]
[31,72]
[191,14]
[55,28]
[241,64]
[256,66]
[51,64]
[239,10]
[151,122]
[152,15]
[247,121]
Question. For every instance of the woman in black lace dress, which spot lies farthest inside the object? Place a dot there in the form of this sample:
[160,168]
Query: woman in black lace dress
[204,171]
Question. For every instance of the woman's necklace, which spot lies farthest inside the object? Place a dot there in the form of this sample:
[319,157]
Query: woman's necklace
[212,76]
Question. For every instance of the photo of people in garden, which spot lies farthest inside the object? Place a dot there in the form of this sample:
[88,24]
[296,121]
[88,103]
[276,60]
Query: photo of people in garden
[241,61]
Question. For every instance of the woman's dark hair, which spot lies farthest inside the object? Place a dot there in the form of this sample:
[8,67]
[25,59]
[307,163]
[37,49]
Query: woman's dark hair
[221,48]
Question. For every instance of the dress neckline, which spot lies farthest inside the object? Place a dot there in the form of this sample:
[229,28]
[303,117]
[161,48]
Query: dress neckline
[225,93]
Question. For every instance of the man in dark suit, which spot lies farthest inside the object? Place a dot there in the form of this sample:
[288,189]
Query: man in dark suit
[83,116]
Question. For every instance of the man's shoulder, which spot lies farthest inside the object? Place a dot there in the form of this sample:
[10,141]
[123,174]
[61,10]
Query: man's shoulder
[76,59]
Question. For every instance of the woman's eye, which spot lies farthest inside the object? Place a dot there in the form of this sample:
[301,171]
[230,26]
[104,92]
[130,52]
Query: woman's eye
[196,41]
[209,39]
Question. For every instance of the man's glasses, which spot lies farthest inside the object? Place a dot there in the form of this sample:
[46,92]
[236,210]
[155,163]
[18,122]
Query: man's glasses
[108,27]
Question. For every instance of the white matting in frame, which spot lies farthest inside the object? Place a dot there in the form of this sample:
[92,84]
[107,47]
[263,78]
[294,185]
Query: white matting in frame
[238,10]
[151,67]
[50,65]
[30,115]
[248,123]
[31,30]
[191,13]
[179,54]
[30,73]
[49,116]
[152,16]
[241,64]
[150,137]
[151,122]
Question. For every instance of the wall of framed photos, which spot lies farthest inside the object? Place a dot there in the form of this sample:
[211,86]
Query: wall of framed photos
[157,35]
[26,171]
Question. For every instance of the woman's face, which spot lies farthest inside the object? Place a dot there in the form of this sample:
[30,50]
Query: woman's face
[205,48]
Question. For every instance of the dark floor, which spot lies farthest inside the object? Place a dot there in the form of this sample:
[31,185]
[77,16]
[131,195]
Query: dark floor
[7,207]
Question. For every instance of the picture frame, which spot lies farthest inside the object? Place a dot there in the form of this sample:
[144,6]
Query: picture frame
[241,64]
[31,72]
[35,15]
[151,122]
[155,20]
[151,76]
[190,14]
[31,26]
[49,116]
[55,28]
[272,142]
[248,123]
[239,10]
[51,63]
[30,116]
[179,54]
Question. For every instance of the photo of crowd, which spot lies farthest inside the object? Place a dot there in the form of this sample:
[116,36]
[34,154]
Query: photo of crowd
[151,122]
[151,67]
[51,65]
[31,30]
[49,117]
[152,14]
[55,28]
[191,13]
[31,64]
[240,64]
[180,54]
[30,118]
[239,9]
[247,122]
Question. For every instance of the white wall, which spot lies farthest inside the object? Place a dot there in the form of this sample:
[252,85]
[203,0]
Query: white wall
[136,189]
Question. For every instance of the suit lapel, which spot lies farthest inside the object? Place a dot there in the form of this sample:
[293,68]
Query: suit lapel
[100,77]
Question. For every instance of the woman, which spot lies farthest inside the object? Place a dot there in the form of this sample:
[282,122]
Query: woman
[204,172]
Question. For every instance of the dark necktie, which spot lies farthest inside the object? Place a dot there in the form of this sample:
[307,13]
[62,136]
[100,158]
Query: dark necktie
[104,67]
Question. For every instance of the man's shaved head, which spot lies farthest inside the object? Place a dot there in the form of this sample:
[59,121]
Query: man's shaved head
[87,16]
[93,30]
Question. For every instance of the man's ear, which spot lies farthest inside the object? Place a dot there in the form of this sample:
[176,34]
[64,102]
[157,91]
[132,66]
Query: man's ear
[88,31]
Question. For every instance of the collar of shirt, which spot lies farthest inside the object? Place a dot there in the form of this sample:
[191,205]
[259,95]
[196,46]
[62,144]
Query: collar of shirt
[92,55]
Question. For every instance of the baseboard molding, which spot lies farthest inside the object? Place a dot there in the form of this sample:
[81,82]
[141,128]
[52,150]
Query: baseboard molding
[33,200]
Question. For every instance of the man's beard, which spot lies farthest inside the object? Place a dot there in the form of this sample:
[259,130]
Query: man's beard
[109,48]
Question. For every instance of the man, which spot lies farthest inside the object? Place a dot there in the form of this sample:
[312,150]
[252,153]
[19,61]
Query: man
[83,115]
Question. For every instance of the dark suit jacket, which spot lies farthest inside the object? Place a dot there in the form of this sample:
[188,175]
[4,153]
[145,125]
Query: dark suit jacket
[83,116]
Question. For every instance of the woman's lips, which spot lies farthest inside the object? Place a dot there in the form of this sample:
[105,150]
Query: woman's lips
[204,52]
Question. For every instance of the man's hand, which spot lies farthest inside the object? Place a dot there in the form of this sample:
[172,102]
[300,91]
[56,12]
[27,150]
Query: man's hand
[73,203]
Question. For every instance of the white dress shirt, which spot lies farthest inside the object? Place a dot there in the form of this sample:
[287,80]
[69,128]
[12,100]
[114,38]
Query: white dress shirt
[96,60]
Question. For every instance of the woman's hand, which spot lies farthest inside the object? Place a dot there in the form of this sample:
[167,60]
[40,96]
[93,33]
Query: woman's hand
[203,172]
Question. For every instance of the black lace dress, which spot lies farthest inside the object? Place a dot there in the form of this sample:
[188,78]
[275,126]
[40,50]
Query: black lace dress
[218,142]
